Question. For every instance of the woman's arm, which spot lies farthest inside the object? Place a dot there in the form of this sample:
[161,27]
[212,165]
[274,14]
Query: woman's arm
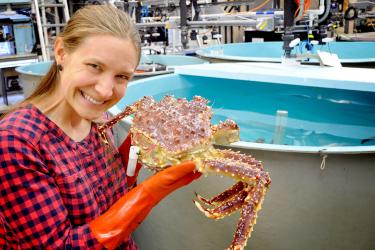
[30,202]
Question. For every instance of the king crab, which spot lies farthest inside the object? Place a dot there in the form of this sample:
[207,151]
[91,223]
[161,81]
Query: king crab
[176,130]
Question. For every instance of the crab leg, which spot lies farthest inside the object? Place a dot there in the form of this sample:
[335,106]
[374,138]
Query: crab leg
[251,206]
[237,156]
[226,208]
[126,112]
[238,170]
[224,196]
[131,109]
[109,124]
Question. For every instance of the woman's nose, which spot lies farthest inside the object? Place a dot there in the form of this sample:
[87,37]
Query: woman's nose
[104,87]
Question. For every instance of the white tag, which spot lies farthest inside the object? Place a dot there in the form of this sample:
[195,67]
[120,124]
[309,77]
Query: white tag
[132,163]
[329,59]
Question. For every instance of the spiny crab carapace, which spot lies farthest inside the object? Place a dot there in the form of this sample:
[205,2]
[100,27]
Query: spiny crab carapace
[176,130]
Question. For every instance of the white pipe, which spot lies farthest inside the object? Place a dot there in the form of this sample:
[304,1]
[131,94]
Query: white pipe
[281,120]
[320,10]
[40,32]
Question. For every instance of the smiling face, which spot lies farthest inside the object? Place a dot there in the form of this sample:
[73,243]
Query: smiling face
[95,75]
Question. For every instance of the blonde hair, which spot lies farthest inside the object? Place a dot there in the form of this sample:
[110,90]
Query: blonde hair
[87,21]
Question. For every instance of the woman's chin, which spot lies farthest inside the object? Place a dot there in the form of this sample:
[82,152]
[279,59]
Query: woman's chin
[91,112]
[91,116]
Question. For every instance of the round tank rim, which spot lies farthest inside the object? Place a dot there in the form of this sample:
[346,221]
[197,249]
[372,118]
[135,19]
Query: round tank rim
[323,150]
[205,53]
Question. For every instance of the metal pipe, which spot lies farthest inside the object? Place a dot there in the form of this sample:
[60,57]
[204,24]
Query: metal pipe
[318,11]
[183,23]
[152,24]
[202,23]
[288,13]
[288,26]
[244,14]
[326,12]
[222,23]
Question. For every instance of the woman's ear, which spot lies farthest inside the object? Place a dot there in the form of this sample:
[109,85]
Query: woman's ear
[59,51]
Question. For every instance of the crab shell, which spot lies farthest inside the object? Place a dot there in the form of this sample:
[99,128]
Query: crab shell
[175,130]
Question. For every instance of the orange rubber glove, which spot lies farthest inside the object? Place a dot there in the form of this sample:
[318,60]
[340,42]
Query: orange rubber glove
[116,224]
[124,152]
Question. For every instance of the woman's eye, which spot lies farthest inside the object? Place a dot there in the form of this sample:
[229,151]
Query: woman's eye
[94,66]
[123,77]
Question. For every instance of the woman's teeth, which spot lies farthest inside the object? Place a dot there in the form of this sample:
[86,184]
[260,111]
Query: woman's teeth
[92,100]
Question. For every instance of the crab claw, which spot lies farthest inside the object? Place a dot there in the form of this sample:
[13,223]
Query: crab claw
[224,196]
[226,208]
[202,199]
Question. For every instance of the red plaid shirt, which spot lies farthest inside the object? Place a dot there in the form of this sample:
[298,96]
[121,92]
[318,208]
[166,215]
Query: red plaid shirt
[51,187]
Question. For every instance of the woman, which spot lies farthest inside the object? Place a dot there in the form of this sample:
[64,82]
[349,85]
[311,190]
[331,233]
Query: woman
[61,186]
